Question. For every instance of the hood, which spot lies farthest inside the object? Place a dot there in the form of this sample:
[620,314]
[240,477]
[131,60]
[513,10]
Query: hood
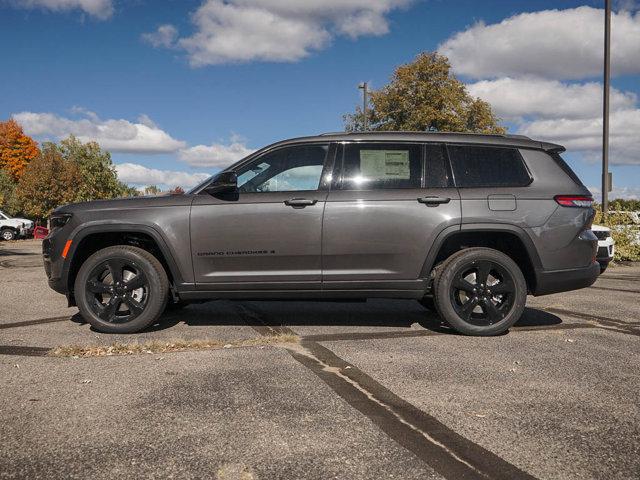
[600,228]
[127,203]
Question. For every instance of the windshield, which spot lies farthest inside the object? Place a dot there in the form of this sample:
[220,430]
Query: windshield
[2,215]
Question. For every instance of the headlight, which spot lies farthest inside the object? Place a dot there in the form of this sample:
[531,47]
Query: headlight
[59,220]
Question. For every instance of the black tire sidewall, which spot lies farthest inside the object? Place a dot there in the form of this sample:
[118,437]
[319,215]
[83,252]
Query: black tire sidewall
[158,288]
[442,286]
[4,231]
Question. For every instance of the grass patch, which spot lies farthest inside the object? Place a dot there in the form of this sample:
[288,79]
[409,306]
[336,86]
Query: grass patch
[160,346]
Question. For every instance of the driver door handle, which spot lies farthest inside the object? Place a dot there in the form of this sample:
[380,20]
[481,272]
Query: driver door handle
[434,201]
[300,202]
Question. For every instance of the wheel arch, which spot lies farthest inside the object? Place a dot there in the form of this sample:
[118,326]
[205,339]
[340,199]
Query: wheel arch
[510,239]
[89,239]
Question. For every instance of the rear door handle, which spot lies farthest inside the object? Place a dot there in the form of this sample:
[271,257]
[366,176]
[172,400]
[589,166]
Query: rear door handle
[300,202]
[434,201]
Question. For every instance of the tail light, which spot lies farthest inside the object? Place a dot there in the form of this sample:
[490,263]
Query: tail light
[578,201]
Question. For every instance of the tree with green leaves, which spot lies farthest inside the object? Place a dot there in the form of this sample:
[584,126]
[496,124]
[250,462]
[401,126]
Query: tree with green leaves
[424,95]
[152,190]
[7,192]
[98,176]
[49,181]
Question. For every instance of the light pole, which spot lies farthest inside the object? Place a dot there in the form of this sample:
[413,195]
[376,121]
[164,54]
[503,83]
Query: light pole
[606,183]
[365,104]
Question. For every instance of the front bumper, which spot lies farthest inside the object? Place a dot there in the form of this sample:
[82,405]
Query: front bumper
[53,266]
[565,280]
[606,251]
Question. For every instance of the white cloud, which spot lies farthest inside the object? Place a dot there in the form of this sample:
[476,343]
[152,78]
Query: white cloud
[567,113]
[113,135]
[101,9]
[165,36]
[274,30]
[558,44]
[626,193]
[141,175]
[215,155]
[513,98]
[585,135]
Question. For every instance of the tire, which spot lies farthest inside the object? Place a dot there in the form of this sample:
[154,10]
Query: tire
[480,291]
[7,234]
[127,306]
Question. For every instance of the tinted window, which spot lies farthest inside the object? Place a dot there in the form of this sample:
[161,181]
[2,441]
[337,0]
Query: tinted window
[488,167]
[436,170]
[284,170]
[376,165]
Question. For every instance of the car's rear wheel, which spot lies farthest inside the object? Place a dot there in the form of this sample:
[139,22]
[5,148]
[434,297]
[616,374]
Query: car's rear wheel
[121,289]
[7,234]
[480,291]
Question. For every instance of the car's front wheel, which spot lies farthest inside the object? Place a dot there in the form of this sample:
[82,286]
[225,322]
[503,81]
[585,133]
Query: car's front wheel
[8,234]
[121,289]
[480,291]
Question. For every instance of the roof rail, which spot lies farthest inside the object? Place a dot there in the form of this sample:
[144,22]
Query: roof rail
[501,135]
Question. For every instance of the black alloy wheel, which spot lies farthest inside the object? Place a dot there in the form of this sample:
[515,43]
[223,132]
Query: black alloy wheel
[482,292]
[479,291]
[117,290]
[121,289]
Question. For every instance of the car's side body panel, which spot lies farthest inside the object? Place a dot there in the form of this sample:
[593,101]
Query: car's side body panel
[381,237]
[255,241]
[348,243]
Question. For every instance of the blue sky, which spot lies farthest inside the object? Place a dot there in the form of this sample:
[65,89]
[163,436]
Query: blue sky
[220,79]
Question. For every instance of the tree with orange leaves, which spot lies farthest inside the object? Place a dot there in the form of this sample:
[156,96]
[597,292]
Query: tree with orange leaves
[16,149]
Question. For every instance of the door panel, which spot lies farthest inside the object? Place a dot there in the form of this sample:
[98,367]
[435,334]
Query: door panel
[375,236]
[266,235]
[257,238]
[389,202]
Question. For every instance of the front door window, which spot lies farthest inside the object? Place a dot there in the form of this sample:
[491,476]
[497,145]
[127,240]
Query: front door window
[287,169]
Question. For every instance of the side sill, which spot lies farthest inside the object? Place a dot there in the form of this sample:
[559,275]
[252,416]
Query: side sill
[299,294]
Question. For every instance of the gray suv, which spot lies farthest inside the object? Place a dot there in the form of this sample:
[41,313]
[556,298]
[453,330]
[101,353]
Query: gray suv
[466,224]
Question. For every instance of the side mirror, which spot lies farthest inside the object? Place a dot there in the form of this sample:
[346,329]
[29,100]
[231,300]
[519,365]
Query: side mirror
[226,182]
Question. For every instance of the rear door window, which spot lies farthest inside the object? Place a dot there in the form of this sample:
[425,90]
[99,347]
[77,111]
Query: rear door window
[479,166]
[373,166]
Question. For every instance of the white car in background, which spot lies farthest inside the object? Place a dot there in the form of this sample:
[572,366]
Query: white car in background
[606,246]
[12,228]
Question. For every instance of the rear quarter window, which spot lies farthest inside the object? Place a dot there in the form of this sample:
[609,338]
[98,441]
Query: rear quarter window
[566,168]
[478,166]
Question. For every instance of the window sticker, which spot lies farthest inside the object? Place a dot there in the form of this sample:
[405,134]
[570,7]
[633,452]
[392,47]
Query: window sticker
[385,164]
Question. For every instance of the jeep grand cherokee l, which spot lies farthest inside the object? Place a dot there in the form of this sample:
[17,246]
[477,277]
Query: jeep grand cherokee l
[467,224]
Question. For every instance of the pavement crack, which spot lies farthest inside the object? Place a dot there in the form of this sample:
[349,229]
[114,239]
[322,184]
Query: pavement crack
[39,321]
[447,452]
[604,323]
[23,351]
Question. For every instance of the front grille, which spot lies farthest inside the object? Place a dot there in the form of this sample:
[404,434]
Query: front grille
[602,235]
[603,252]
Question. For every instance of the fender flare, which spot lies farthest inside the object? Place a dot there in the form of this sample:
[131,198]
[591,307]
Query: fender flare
[84,230]
[479,227]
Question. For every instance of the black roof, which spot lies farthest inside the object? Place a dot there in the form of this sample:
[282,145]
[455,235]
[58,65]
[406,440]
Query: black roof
[519,141]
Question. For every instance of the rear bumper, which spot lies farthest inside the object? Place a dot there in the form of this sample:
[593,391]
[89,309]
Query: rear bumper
[565,280]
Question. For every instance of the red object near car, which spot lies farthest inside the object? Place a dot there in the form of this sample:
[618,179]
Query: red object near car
[40,232]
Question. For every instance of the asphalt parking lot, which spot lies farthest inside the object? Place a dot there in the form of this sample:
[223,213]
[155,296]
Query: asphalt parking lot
[371,390]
